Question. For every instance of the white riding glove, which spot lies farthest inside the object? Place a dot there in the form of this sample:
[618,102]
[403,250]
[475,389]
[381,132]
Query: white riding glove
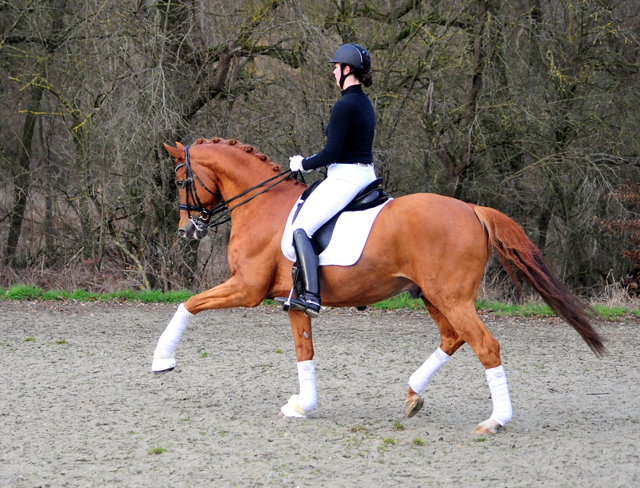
[295,164]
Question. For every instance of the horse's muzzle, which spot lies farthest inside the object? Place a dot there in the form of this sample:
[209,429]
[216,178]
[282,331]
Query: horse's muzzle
[189,231]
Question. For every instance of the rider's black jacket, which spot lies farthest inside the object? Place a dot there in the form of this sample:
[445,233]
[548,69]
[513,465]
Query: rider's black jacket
[349,132]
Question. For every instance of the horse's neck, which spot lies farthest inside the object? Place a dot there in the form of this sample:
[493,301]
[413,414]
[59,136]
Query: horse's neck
[273,204]
[247,180]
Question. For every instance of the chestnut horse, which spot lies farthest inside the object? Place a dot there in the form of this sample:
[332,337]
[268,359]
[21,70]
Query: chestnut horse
[432,246]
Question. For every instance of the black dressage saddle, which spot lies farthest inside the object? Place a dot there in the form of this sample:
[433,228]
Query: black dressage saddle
[371,196]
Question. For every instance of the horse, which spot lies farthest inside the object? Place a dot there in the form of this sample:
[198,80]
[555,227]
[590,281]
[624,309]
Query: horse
[432,246]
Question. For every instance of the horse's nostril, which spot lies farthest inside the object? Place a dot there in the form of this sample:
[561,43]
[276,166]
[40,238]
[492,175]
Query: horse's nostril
[182,233]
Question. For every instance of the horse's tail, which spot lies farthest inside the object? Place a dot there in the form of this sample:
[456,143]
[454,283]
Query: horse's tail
[513,245]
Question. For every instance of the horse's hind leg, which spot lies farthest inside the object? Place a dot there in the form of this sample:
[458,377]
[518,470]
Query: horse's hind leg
[469,327]
[449,343]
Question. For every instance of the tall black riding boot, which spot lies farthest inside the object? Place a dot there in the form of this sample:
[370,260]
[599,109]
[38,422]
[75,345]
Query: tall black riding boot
[307,260]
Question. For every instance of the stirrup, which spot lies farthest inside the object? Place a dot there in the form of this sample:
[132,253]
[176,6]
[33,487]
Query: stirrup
[285,302]
[312,309]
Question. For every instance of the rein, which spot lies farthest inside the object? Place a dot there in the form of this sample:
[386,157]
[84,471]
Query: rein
[221,210]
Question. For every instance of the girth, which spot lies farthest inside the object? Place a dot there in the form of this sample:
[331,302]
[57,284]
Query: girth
[371,196]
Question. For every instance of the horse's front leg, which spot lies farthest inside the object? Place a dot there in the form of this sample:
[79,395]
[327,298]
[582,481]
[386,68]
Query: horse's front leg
[301,404]
[232,293]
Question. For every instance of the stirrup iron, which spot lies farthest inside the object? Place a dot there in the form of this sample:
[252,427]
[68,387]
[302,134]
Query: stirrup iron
[285,302]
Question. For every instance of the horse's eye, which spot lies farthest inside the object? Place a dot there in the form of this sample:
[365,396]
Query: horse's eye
[181,184]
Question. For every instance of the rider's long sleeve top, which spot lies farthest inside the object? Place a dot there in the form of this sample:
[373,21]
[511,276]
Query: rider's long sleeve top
[349,133]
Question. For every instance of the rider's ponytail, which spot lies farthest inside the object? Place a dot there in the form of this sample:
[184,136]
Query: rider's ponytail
[365,78]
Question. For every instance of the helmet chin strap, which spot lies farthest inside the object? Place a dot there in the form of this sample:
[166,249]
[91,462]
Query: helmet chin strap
[343,77]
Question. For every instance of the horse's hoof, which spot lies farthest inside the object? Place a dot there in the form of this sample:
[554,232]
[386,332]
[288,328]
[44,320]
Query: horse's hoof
[162,364]
[292,409]
[488,427]
[413,405]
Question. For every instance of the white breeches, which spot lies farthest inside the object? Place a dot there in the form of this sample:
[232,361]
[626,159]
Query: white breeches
[343,183]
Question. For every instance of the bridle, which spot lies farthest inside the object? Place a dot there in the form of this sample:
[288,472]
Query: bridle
[221,211]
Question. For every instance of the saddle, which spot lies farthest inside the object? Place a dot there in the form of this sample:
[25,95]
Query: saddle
[371,196]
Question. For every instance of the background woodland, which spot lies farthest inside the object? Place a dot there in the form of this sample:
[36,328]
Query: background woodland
[528,106]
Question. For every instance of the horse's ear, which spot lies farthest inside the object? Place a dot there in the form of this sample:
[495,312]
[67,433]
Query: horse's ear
[176,152]
[180,146]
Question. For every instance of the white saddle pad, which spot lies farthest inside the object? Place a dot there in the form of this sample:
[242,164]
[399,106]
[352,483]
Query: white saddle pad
[349,237]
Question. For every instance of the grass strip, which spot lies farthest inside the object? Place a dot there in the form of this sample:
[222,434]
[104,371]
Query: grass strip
[30,292]
[399,302]
[506,309]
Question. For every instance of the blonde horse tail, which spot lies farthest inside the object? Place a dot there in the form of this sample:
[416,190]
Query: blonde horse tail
[513,246]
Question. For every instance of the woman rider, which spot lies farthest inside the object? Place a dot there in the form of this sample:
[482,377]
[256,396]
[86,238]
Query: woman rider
[348,155]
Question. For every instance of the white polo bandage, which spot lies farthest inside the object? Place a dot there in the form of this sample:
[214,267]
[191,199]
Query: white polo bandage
[497,381]
[170,338]
[420,379]
[308,397]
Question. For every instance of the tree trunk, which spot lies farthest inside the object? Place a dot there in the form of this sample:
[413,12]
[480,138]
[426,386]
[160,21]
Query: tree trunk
[461,171]
[22,176]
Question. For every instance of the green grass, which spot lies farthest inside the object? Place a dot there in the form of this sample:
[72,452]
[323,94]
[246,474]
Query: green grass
[506,309]
[157,450]
[30,292]
[399,302]
[614,313]
[542,310]
[402,301]
[359,428]
[535,309]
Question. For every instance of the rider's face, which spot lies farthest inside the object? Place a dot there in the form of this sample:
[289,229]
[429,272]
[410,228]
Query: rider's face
[337,74]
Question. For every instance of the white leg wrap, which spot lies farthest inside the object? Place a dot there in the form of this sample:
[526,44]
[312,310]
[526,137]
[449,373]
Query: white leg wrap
[308,397]
[420,379]
[169,339]
[497,381]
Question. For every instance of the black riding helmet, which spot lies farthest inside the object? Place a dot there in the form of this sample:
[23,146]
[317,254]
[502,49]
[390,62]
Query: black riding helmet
[352,55]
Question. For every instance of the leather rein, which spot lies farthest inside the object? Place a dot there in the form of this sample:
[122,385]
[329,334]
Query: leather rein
[221,211]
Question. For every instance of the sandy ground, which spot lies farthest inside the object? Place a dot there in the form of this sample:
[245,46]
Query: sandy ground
[79,405]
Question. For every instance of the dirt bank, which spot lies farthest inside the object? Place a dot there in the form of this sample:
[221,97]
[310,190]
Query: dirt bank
[80,407]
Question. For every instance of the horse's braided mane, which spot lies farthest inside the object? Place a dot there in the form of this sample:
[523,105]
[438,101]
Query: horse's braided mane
[243,147]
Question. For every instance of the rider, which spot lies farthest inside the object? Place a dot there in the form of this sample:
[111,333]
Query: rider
[348,155]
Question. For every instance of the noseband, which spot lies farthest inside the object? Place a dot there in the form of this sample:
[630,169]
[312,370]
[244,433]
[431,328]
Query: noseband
[221,210]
